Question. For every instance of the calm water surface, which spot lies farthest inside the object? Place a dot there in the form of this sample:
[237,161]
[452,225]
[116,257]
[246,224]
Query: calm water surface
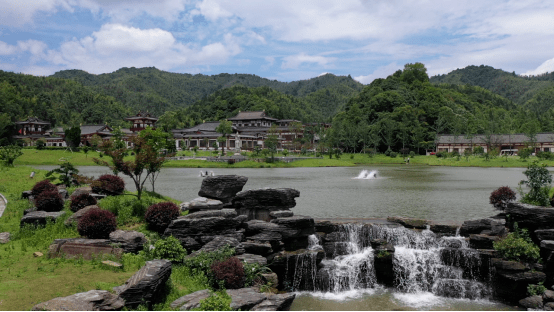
[435,193]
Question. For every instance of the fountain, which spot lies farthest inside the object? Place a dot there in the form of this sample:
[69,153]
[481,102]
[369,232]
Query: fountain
[367,175]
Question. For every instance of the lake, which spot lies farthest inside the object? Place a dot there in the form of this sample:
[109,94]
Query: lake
[434,193]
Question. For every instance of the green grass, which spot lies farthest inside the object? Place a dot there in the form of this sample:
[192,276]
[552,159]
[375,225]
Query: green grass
[26,280]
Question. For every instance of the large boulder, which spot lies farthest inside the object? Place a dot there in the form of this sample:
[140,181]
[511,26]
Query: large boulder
[129,241]
[219,242]
[74,218]
[530,217]
[482,241]
[532,302]
[82,190]
[94,300]
[223,187]
[190,301]
[275,302]
[82,247]
[250,259]
[201,204]
[487,226]
[295,231]
[298,267]
[40,217]
[146,284]
[244,299]
[544,234]
[257,247]
[258,204]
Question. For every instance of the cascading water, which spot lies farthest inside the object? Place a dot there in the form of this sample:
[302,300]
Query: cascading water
[367,175]
[422,263]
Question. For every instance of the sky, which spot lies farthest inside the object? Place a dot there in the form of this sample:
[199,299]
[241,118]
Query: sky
[286,40]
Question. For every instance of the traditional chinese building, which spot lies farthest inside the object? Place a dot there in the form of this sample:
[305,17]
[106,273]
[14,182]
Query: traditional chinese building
[31,130]
[503,142]
[141,121]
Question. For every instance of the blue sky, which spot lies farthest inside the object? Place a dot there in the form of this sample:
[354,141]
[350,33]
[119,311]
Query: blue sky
[282,40]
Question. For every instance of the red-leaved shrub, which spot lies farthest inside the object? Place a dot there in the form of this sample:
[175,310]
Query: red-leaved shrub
[49,200]
[230,271]
[500,197]
[97,223]
[158,216]
[108,185]
[81,201]
[43,186]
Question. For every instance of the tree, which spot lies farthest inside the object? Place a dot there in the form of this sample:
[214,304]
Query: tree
[157,141]
[8,154]
[65,172]
[225,128]
[146,160]
[85,150]
[95,141]
[538,180]
[40,144]
[73,137]
[272,141]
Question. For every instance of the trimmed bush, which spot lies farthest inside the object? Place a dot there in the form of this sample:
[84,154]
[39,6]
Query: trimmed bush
[108,185]
[518,246]
[43,186]
[229,272]
[81,201]
[158,216]
[169,249]
[49,200]
[501,197]
[97,223]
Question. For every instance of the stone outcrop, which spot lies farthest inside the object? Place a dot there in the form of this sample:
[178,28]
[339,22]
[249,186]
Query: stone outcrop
[383,261]
[223,187]
[77,247]
[219,242]
[197,229]
[129,241]
[285,263]
[40,217]
[533,302]
[257,247]
[144,285]
[295,231]
[74,218]
[82,190]
[544,234]
[487,226]
[244,299]
[251,259]
[258,204]
[281,214]
[4,237]
[482,241]
[530,217]
[410,223]
[94,300]
[201,204]
[512,279]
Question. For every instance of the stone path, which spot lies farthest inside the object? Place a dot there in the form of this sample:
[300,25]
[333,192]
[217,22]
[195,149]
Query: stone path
[3,203]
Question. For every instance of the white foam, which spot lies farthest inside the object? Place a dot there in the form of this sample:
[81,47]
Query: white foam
[419,299]
[367,175]
[342,295]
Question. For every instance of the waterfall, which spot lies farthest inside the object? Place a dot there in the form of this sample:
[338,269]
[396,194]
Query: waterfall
[367,175]
[422,263]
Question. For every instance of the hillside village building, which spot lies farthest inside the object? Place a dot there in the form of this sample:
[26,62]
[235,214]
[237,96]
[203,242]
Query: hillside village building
[503,142]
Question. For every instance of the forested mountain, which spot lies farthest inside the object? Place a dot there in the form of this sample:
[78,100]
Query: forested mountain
[158,91]
[518,89]
[62,102]
[406,111]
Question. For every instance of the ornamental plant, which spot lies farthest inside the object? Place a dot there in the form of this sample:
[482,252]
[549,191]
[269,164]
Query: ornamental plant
[538,180]
[169,249]
[49,200]
[159,216]
[42,186]
[97,223]
[81,201]
[501,197]
[228,273]
[108,185]
[517,246]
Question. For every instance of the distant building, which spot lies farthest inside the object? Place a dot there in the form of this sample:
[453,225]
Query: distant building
[34,129]
[459,143]
[141,121]
[88,131]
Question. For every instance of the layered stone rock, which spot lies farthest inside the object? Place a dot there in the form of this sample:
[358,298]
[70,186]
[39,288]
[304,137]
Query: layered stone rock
[40,217]
[223,187]
[383,261]
[258,204]
[201,204]
[291,266]
[82,247]
[74,218]
[146,284]
[530,217]
[512,279]
[482,241]
[251,259]
[487,226]
[295,231]
[410,223]
[94,300]
[129,241]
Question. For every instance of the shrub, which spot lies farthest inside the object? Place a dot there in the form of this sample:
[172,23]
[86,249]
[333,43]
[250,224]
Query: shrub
[109,185]
[536,290]
[43,186]
[169,249]
[412,154]
[388,151]
[217,301]
[441,154]
[203,260]
[97,223]
[49,200]
[158,216]
[501,196]
[479,150]
[545,155]
[538,180]
[517,246]
[230,273]
[81,201]
[393,154]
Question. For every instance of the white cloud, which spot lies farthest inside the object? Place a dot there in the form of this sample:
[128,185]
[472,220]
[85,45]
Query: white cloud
[20,12]
[294,61]
[546,67]
[115,46]
[121,11]
[381,72]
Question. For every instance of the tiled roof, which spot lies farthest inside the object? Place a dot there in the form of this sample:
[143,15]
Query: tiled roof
[90,129]
[251,115]
[32,120]
[494,139]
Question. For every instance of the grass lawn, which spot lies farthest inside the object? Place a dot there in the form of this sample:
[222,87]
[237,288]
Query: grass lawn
[26,280]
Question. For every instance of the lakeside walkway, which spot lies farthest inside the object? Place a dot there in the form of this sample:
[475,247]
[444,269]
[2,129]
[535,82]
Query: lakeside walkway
[3,203]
